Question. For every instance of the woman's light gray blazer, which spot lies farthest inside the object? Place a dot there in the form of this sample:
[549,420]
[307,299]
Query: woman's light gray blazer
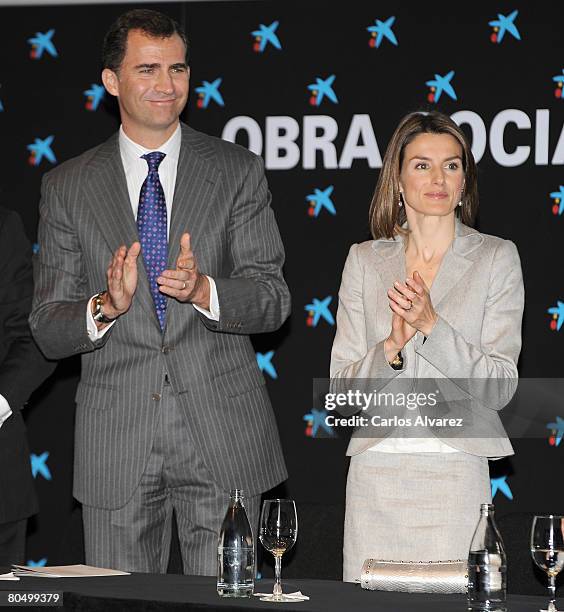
[471,355]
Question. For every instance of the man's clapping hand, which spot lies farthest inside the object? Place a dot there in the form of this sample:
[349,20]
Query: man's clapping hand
[186,283]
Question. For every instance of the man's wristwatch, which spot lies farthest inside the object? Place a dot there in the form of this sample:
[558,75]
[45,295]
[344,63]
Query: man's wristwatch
[98,315]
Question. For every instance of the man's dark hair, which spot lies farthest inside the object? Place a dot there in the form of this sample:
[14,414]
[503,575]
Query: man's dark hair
[151,23]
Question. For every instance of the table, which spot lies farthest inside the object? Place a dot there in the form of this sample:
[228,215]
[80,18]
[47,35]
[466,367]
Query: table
[150,592]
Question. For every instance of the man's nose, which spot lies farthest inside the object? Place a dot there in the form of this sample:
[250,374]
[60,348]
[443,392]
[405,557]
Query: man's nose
[164,83]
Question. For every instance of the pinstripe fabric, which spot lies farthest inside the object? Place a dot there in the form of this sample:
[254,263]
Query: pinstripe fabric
[136,537]
[222,199]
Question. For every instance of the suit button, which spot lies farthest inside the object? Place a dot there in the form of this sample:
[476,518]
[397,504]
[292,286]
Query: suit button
[156,397]
[166,350]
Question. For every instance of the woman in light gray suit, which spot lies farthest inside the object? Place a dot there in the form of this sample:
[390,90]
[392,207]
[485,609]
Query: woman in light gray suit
[428,298]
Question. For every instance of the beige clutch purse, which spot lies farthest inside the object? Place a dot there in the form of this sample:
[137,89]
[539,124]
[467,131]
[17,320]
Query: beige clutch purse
[415,577]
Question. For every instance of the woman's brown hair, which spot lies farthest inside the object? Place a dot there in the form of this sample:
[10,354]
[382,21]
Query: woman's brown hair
[386,216]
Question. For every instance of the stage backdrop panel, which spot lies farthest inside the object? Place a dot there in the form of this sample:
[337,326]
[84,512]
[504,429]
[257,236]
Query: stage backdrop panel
[317,92]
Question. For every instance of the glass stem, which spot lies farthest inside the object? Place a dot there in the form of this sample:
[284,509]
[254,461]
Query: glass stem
[277,573]
[552,593]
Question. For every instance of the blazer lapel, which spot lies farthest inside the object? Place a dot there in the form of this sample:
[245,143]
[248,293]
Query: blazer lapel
[452,269]
[197,179]
[390,261]
[455,264]
[390,264]
[106,188]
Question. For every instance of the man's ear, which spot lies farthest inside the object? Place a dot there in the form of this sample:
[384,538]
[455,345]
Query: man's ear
[111,81]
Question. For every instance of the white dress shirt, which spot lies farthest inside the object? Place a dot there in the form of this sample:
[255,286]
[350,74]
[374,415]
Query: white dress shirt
[136,170]
[5,410]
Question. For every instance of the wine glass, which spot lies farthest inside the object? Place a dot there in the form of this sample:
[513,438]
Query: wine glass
[278,532]
[547,549]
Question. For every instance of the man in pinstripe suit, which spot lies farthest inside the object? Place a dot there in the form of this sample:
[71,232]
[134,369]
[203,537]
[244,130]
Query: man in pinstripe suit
[172,410]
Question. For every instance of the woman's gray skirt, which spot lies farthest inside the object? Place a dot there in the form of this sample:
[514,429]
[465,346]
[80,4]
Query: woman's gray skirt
[412,507]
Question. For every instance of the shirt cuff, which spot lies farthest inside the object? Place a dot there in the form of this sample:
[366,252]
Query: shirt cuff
[5,410]
[93,332]
[213,312]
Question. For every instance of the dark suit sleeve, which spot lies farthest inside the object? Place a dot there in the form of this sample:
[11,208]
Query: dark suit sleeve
[22,367]
[255,298]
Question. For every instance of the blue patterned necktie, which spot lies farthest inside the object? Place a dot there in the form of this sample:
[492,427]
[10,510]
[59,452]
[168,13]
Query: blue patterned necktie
[152,226]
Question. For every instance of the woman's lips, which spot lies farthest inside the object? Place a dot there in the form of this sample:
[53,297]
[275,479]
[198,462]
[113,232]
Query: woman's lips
[437,195]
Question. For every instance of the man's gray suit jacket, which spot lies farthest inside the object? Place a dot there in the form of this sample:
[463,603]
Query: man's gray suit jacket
[221,198]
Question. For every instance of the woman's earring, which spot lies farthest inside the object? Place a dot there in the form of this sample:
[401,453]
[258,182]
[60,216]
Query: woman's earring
[460,203]
[400,201]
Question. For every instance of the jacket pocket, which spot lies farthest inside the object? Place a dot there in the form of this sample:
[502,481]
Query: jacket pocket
[95,394]
[239,381]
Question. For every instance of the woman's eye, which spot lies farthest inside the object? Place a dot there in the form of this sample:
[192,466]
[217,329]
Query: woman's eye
[453,166]
[421,165]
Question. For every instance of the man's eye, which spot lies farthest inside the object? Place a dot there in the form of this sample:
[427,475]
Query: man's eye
[146,70]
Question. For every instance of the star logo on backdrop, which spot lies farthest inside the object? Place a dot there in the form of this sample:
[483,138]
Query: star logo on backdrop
[208,92]
[439,85]
[264,362]
[40,43]
[557,313]
[35,248]
[322,88]
[320,199]
[94,96]
[39,149]
[501,484]
[315,420]
[558,197]
[559,80]
[317,310]
[381,30]
[264,36]
[556,431]
[504,24]
[39,465]
[40,563]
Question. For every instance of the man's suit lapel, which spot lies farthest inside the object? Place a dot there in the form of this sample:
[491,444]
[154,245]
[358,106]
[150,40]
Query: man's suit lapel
[197,179]
[106,188]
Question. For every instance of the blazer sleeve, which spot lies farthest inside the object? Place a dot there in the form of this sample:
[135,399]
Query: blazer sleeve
[255,297]
[23,367]
[487,372]
[354,364]
[58,316]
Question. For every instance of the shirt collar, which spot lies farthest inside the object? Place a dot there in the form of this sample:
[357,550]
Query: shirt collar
[131,151]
